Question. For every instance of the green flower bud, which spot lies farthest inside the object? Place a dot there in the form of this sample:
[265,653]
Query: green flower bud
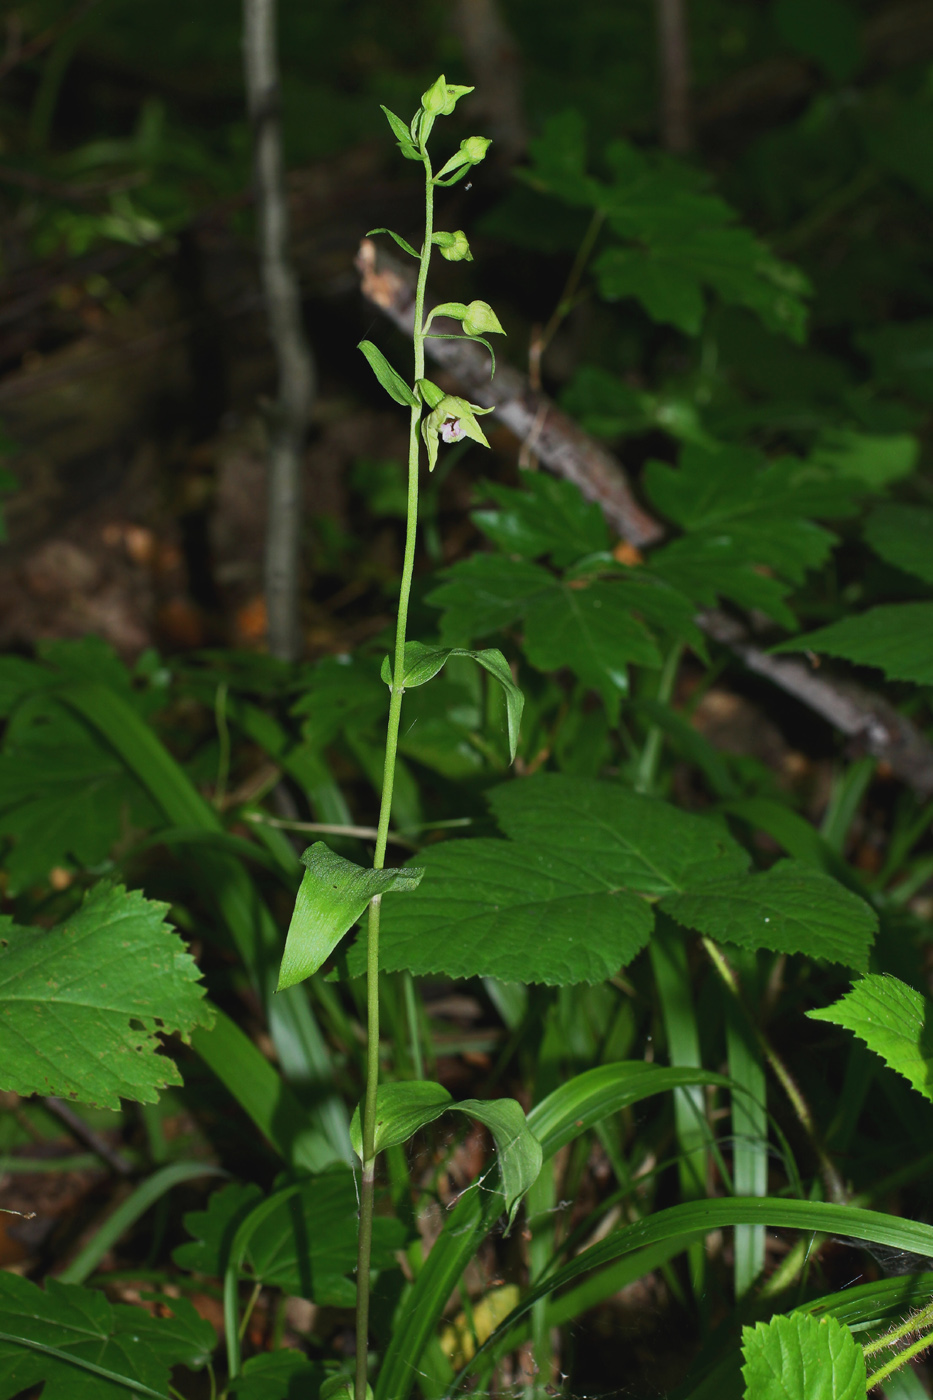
[441,97]
[453,246]
[480,319]
[474,148]
[452,420]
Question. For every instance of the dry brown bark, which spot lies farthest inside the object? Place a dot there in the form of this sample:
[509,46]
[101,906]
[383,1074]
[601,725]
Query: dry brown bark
[870,722]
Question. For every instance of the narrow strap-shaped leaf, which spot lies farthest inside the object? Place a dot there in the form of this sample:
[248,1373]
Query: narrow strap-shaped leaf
[389,378]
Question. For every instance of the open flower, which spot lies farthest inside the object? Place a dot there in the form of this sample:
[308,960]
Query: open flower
[452,419]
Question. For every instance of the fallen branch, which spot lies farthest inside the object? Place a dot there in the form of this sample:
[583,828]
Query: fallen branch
[865,718]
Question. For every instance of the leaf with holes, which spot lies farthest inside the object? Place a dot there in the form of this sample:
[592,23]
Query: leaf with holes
[82,1004]
[86,1348]
[894,1020]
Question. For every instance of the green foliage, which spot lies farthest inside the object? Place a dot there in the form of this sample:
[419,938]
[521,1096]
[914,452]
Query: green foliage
[307,1243]
[334,893]
[897,638]
[83,1002]
[86,1348]
[799,1355]
[894,1021]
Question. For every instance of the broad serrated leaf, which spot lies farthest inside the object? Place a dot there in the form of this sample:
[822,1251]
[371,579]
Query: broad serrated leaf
[894,1020]
[82,1004]
[486,593]
[634,842]
[559,902]
[307,1244]
[389,378]
[278,1375]
[422,664]
[332,896]
[547,516]
[505,909]
[801,1357]
[65,795]
[589,627]
[896,637]
[873,459]
[902,535]
[791,908]
[401,1109]
[710,565]
[85,1348]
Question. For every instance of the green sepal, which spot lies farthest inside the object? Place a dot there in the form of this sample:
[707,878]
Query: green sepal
[333,894]
[453,418]
[401,1109]
[398,238]
[429,392]
[422,664]
[390,379]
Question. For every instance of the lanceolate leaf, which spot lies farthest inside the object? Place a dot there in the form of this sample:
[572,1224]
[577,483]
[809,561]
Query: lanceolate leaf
[82,1004]
[401,1109]
[791,908]
[332,896]
[897,637]
[894,1020]
[422,664]
[397,237]
[801,1357]
[65,1326]
[389,378]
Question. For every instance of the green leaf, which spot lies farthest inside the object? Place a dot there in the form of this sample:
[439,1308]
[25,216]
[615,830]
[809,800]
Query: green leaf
[405,246]
[634,842]
[333,894]
[65,795]
[390,379]
[486,593]
[875,460]
[278,1375]
[559,902]
[405,144]
[800,1357]
[894,1020]
[505,909]
[85,1348]
[401,1109]
[589,627]
[547,516]
[83,1003]
[307,1244]
[901,536]
[896,637]
[707,566]
[791,908]
[423,662]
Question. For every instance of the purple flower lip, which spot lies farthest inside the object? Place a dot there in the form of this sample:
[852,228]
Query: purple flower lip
[452,430]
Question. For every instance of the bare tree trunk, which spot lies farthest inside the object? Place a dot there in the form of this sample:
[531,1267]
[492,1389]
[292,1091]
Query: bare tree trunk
[674,63]
[289,417]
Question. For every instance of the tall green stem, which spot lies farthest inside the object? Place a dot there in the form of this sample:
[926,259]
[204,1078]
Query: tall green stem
[368,1184]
